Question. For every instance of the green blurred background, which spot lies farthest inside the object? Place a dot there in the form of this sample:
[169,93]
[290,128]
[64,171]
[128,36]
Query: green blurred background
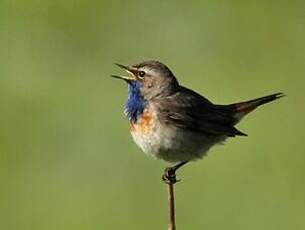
[67,160]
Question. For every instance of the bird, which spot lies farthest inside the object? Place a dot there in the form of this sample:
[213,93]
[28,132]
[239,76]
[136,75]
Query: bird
[174,123]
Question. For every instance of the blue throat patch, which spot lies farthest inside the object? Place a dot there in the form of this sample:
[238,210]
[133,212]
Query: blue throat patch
[135,104]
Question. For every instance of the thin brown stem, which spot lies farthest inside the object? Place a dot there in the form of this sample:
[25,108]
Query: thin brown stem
[169,178]
[171,207]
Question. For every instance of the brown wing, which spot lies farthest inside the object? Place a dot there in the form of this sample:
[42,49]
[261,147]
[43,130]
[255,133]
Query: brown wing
[188,110]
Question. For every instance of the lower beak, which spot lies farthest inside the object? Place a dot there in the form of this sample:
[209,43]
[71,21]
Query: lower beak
[125,78]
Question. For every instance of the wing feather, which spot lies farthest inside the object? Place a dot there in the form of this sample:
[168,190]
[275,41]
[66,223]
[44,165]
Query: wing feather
[188,110]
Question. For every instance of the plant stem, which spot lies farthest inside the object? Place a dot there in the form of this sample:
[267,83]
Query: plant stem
[171,207]
[169,178]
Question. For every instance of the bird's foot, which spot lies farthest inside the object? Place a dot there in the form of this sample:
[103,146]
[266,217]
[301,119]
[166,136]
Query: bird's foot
[169,176]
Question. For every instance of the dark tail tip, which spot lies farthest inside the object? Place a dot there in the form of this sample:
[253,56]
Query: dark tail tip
[266,99]
[278,95]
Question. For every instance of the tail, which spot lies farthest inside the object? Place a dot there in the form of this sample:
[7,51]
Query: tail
[243,108]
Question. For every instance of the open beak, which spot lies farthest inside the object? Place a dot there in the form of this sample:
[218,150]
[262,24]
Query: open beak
[130,70]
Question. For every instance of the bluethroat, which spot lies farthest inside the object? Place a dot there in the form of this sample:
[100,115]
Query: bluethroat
[173,123]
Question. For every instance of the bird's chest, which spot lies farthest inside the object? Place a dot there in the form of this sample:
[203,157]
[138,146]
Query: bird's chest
[145,131]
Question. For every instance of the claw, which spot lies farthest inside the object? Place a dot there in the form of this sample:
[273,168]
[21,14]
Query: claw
[169,176]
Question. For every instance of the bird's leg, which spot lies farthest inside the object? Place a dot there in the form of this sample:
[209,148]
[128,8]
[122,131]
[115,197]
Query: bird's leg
[169,176]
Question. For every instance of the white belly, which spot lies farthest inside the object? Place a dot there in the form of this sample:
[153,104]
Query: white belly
[173,144]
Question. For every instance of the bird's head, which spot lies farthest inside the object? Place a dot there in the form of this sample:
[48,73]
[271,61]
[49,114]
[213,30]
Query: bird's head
[150,78]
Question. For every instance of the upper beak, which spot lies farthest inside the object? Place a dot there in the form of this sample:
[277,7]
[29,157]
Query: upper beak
[132,72]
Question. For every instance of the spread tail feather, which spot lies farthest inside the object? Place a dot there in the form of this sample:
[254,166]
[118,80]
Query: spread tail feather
[243,108]
[238,110]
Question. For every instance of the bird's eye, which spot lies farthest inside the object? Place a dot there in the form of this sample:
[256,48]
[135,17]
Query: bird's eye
[141,73]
